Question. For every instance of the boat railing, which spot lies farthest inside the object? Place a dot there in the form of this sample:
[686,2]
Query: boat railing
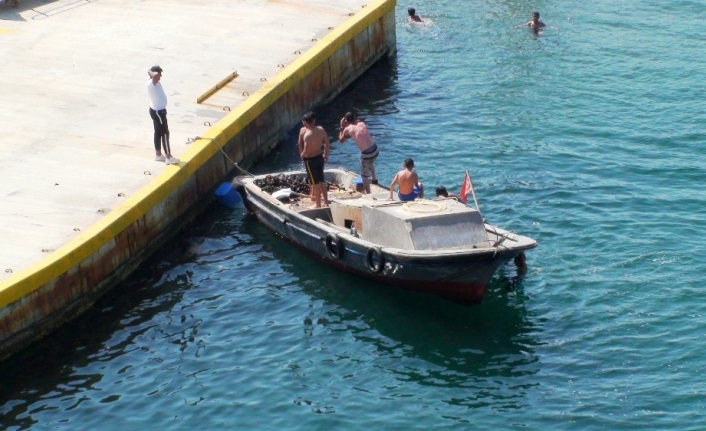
[332,225]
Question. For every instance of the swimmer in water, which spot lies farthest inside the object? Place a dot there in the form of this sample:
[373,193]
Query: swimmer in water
[441,192]
[413,15]
[535,24]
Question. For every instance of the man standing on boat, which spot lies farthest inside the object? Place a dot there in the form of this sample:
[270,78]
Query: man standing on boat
[410,187]
[314,148]
[352,127]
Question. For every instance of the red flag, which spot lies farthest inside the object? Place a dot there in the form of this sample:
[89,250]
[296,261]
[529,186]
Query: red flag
[466,188]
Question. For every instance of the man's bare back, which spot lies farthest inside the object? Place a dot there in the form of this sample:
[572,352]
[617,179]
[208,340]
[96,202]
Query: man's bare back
[408,181]
[313,140]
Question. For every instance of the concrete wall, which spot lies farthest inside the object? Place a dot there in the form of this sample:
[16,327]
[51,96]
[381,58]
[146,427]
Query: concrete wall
[36,300]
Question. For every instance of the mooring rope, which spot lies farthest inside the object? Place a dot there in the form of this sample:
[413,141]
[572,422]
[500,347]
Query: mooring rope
[194,139]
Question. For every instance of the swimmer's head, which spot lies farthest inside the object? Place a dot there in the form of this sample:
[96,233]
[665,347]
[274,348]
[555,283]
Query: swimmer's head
[411,11]
[535,15]
[441,191]
[408,163]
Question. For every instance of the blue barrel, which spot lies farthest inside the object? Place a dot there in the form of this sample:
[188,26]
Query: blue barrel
[358,184]
[227,196]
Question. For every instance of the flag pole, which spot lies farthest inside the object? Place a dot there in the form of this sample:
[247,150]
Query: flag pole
[473,191]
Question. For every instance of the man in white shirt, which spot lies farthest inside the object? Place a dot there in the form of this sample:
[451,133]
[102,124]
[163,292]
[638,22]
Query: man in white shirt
[158,113]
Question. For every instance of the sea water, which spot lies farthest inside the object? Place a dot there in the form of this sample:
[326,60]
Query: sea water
[588,137]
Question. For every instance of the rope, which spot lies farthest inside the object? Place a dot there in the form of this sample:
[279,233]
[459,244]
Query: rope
[424,206]
[194,139]
[344,194]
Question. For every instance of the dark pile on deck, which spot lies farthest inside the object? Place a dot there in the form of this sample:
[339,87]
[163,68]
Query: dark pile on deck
[272,183]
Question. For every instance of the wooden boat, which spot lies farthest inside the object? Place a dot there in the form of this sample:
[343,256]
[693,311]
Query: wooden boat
[437,246]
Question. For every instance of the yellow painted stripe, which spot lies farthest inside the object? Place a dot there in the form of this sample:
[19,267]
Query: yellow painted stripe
[92,239]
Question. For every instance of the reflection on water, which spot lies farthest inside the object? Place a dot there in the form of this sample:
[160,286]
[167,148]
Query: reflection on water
[66,369]
[422,339]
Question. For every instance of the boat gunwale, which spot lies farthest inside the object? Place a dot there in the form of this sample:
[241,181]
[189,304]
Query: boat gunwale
[409,256]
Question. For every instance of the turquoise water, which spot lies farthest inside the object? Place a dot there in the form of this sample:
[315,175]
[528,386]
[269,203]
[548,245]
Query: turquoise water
[588,137]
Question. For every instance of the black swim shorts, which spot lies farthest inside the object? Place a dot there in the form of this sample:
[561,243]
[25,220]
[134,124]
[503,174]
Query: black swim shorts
[315,168]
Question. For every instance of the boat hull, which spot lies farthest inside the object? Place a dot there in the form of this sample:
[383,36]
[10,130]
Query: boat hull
[460,276]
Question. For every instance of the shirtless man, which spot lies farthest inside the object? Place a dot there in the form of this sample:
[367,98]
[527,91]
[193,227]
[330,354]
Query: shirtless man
[352,127]
[410,187]
[314,147]
[413,15]
[535,24]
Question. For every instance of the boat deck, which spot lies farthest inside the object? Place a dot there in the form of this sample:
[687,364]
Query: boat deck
[422,224]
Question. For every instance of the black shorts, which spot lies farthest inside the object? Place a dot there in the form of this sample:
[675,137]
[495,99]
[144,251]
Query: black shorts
[315,168]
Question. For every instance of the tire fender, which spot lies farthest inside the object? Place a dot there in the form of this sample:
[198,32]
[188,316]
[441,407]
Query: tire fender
[369,259]
[334,246]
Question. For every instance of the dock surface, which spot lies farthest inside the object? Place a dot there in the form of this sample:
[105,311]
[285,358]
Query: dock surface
[75,133]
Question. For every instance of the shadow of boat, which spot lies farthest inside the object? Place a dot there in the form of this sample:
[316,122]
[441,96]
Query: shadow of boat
[490,346]
[69,365]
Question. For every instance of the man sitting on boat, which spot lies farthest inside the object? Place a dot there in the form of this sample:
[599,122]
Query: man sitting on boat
[410,187]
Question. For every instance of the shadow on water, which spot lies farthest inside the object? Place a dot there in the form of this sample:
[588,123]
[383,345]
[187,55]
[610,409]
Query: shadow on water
[489,346]
[58,367]
[67,364]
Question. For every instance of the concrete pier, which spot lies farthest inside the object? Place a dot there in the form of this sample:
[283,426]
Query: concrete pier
[82,202]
